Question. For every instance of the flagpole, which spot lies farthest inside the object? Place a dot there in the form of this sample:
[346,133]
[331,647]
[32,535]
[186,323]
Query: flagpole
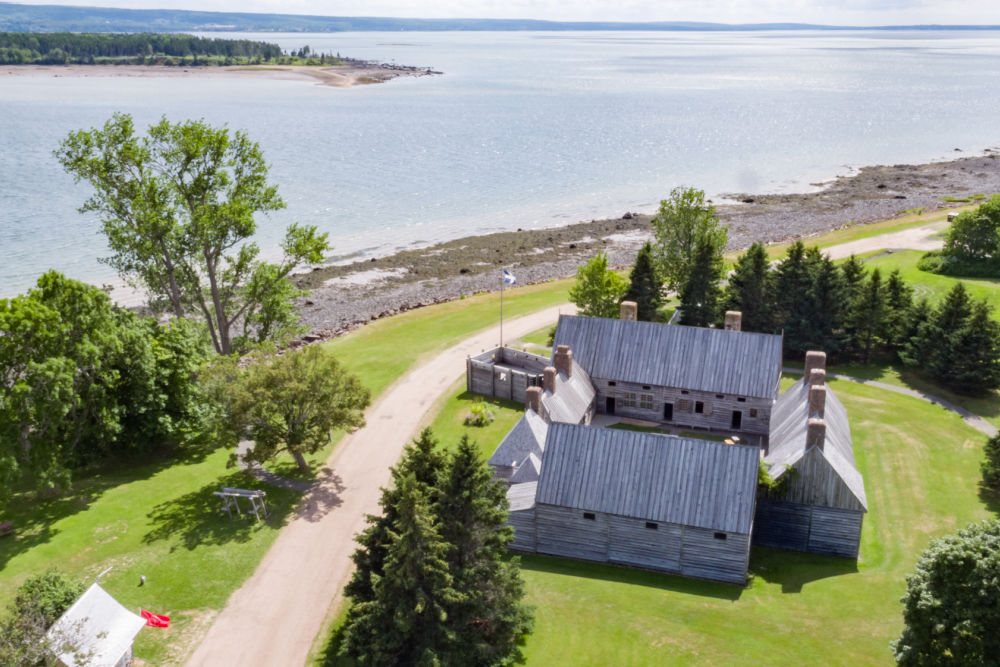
[501,307]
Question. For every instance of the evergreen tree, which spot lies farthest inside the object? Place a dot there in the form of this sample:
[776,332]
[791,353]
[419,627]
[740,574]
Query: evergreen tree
[422,460]
[407,621]
[991,464]
[792,281]
[866,319]
[913,345]
[939,339]
[898,301]
[701,294]
[975,363]
[854,275]
[644,285]
[750,291]
[472,513]
[825,309]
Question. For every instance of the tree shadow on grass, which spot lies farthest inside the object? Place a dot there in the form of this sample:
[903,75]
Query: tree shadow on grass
[631,576]
[329,655]
[793,569]
[194,519]
[990,498]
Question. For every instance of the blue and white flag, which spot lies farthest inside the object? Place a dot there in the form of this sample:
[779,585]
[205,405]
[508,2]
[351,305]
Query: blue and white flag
[509,278]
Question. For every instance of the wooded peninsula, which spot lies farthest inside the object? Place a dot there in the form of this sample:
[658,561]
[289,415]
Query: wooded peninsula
[65,48]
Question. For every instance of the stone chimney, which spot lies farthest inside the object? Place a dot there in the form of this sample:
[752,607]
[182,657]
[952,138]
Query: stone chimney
[549,380]
[814,359]
[817,377]
[734,320]
[533,399]
[629,310]
[815,434]
[563,360]
[817,400]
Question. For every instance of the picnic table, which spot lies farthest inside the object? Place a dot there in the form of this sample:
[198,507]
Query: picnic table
[230,501]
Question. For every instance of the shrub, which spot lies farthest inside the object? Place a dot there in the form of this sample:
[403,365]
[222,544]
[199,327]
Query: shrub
[479,414]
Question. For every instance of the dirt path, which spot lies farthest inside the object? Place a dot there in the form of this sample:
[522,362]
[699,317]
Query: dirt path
[274,617]
[916,238]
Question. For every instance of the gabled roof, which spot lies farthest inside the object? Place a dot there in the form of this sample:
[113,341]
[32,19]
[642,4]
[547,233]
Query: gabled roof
[572,397]
[787,445]
[696,358]
[96,628]
[647,476]
[527,471]
[527,437]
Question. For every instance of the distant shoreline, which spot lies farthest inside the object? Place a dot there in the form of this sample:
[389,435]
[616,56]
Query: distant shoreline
[336,76]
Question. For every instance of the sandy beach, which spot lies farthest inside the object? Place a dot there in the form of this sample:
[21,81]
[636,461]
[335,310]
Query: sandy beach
[348,295]
[338,76]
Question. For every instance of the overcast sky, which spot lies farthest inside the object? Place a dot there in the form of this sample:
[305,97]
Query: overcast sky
[832,12]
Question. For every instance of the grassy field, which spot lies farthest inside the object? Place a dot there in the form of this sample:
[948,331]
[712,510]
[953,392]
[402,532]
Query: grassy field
[160,519]
[798,608]
[932,285]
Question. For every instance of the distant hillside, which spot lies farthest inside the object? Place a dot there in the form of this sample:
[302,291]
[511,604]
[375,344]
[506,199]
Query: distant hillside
[58,18]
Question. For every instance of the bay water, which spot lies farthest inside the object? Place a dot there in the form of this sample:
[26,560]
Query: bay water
[522,130]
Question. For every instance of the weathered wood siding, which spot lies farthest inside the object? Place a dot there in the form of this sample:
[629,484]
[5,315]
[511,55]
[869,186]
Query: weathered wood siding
[817,483]
[560,531]
[607,538]
[632,543]
[717,413]
[706,556]
[798,527]
[523,523]
[489,379]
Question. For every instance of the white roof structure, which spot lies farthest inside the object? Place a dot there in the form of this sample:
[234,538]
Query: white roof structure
[96,631]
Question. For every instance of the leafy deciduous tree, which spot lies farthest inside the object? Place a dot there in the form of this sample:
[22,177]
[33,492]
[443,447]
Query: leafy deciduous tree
[598,290]
[950,612]
[292,402]
[684,221]
[178,207]
[37,604]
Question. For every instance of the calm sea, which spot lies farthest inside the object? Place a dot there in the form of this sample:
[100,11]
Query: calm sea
[523,130]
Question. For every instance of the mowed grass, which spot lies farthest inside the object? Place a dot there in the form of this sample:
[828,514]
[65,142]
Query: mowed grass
[383,351]
[160,519]
[447,419]
[933,286]
[157,519]
[921,468]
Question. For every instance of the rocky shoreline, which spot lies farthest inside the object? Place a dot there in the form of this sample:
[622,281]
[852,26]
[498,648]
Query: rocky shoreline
[344,297]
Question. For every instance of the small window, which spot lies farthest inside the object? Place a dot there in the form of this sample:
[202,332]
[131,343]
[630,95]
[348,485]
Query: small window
[741,400]
[629,399]
[652,525]
[589,516]
[719,396]
[646,401]
[683,405]
[719,536]
[645,387]
[699,407]
[684,391]
[753,412]
[612,383]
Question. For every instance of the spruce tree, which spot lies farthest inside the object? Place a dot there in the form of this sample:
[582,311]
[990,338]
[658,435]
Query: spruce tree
[866,319]
[750,289]
[644,285]
[854,275]
[914,338]
[975,363]
[701,293]
[472,511]
[407,621]
[792,281]
[898,301]
[825,309]
[422,460]
[941,335]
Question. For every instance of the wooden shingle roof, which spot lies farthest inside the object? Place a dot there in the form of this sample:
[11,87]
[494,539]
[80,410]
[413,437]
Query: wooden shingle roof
[711,360]
[647,476]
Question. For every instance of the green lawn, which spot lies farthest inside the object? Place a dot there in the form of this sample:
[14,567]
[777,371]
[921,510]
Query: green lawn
[798,609]
[932,285]
[447,419]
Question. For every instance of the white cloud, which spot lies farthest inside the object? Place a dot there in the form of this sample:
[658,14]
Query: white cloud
[834,12]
